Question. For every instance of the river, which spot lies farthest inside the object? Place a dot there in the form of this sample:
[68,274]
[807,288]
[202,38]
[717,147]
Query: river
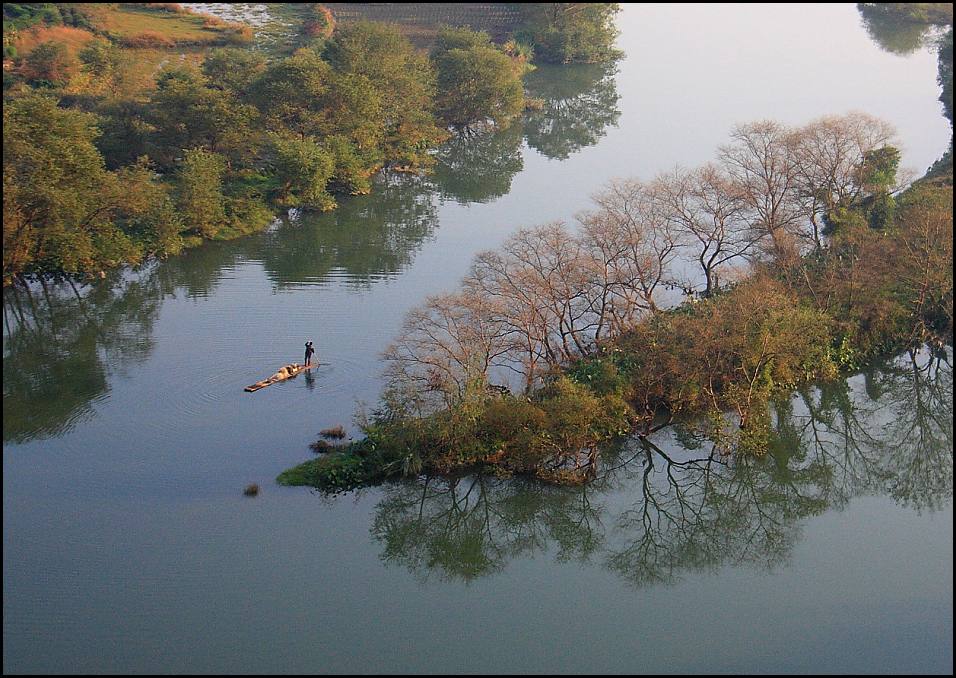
[128,545]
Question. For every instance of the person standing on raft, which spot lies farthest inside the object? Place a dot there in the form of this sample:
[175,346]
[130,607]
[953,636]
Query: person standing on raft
[308,353]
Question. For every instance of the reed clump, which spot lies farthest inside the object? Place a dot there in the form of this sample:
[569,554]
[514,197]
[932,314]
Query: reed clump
[333,432]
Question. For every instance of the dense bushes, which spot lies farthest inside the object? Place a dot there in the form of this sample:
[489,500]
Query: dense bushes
[553,435]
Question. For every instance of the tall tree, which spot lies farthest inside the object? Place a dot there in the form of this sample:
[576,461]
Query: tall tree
[289,92]
[200,198]
[404,81]
[760,160]
[571,32]
[303,169]
[61,198]
[709,213]
[477,85]
[188,114]
[232,68]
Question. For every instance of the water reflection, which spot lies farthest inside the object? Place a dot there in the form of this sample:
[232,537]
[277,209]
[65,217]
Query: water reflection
[479,167]
[892,33]
[365,238]
[660,512]
[63,341]
[60,345]
[580,104]
[895,437]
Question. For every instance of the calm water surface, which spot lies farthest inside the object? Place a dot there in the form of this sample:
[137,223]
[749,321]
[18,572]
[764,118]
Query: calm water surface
[127,438]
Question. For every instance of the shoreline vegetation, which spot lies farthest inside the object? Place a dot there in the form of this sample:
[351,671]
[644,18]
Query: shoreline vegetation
[811,260]
[119,146]
[578,317]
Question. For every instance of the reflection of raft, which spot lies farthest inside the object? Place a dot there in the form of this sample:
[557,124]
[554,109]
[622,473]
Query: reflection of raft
[285,372]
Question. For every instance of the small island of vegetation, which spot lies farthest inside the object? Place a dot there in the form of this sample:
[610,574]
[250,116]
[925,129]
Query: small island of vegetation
[808,266]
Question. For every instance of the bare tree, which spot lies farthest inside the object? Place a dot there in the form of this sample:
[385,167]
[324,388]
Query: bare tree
[708,210]
[632,236]
[447,344]
[539,283]
[759,159]
[828,156]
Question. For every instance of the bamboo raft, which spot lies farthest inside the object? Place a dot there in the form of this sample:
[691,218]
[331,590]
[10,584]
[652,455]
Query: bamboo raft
[285,372]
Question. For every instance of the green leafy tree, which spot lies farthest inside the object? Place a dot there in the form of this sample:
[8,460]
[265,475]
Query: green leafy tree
[570,32]
[303,169]
[200,198]
[476,85]
[289,93]
[127,132]
[187,114]
[111,71]
[878,178]
[354,113]
[149,215]
[404,81]
[58,213]
[233,69]
[352,173]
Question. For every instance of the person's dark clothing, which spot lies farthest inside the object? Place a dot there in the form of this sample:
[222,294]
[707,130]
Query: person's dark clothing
[308,353]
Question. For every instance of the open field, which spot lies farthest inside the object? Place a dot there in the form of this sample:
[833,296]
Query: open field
[129,21]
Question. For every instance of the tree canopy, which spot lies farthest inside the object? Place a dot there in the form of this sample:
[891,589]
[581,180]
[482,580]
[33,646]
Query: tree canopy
[570,32]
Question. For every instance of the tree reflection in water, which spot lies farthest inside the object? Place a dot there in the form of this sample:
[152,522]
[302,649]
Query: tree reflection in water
[58,342]
[894,33]
[366,238]
[659,511]
[478,167]
[580,104]
[892,436]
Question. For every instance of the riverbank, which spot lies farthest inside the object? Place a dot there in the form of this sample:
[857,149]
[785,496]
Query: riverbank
[119,149]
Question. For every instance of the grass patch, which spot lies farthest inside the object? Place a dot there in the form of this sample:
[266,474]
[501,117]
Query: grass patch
[145,64]
[336,472]
[142,26]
